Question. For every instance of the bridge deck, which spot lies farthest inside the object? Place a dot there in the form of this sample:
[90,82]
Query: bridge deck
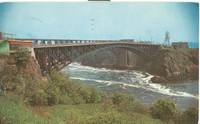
[91,44]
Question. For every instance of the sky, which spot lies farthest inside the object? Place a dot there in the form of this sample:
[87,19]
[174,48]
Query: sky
[101,20]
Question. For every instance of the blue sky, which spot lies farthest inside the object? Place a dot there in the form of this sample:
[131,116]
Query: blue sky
[102,20]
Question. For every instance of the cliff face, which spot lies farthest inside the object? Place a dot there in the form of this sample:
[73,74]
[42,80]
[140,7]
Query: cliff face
[174,65]
[168,65]
[8,67]
[117,58]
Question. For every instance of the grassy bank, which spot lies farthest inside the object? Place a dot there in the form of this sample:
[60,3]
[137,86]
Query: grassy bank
[13,111]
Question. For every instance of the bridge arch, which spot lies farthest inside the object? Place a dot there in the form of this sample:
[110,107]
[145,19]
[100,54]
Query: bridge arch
[50,58]
[135,50]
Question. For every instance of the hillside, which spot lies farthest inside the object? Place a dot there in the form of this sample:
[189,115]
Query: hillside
[27,97]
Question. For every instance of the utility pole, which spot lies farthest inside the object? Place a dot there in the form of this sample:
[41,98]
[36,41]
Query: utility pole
[167,38]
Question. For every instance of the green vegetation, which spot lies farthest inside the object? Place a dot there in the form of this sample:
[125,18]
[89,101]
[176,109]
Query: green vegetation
[17,112]
[164,109]
[190,116]
[59,100]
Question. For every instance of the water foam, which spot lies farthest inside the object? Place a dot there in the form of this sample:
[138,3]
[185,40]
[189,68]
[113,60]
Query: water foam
[139,80]
[78,66]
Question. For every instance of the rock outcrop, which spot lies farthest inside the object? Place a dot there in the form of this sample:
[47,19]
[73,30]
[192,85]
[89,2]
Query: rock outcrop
[172,65]
[8,67]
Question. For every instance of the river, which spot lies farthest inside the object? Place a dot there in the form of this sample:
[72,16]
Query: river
[135,83]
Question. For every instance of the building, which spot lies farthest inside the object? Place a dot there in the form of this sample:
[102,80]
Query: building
[1,36]
[4,47]
[177,45]
[6,36]
[8,44]
[15,44]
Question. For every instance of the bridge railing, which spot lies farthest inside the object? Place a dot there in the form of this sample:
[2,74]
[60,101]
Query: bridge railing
[49,42]
[42,42]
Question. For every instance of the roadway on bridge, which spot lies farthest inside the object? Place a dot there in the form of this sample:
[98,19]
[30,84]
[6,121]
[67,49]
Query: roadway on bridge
[92,44]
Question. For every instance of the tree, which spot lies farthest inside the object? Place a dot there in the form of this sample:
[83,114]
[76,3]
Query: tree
[190,116]
[164,109]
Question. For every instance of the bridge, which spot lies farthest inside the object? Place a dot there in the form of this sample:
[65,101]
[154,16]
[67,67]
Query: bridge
[54,54]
